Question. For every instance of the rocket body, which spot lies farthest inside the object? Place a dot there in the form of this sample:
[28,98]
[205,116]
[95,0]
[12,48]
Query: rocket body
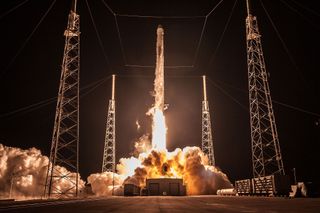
[159,72]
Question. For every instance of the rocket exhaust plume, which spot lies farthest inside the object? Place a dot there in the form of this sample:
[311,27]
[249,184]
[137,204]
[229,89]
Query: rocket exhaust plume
[159,129]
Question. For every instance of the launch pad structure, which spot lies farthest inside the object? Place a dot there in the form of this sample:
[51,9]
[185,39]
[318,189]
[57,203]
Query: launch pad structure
[266,154]
[109,152]
[207,139]
[268,171]
[65,139]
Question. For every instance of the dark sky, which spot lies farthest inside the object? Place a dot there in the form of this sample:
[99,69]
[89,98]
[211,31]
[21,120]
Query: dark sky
[30,74]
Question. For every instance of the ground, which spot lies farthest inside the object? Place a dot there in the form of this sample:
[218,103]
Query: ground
[167,204]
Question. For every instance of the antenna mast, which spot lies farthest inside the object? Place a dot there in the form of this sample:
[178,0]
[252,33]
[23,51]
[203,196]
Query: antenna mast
[64,150]
[266,154]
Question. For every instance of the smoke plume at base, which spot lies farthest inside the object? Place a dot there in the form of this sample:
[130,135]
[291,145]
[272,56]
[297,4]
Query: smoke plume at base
[23,173]
[106,183]
[189,163]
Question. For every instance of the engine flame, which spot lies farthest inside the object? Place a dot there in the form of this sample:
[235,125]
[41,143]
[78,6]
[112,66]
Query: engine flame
[159,131]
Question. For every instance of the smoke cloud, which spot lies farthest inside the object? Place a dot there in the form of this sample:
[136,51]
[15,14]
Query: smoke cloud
[190,164]
[106,183]
[142,145]
[23,172]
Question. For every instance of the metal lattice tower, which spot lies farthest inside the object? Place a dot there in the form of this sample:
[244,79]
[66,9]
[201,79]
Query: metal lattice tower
[207,142]
[266,154]
[109,159]
[65,140]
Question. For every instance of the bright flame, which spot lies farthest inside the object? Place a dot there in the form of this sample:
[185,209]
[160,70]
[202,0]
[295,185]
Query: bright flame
[127,166]
[159,131]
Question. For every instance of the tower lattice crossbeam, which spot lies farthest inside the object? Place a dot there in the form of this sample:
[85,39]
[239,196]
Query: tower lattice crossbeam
[108,162]
[207,141]
[64,150]
[266,154]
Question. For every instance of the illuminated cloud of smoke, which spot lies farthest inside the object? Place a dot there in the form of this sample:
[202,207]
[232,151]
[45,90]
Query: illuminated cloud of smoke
[102,184]
[142,145]
[25,171]
[190,164]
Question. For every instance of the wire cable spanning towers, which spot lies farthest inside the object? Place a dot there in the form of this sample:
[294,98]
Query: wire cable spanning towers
[109,159]
[207,142]
[64,150]
[266,154]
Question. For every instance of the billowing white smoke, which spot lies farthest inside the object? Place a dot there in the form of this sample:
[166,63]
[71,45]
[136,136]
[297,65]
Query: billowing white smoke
[190,164]
[102,184]
[142,145]
[23,172]
[106,183]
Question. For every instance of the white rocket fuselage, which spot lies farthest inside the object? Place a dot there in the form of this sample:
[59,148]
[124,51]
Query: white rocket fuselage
[159,72]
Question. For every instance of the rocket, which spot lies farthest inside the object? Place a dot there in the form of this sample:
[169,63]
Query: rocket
[159,72]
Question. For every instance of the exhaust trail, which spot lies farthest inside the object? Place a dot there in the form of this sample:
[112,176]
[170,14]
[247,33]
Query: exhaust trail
[159,129]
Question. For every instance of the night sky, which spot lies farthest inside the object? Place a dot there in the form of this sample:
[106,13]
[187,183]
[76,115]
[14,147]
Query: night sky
[30,72]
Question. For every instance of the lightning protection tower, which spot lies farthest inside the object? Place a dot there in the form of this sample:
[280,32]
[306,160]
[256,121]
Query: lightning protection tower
[64,150]
[108,162]
[266,155]
[207,142]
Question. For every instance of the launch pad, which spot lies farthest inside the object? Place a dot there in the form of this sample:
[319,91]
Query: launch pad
[167,204]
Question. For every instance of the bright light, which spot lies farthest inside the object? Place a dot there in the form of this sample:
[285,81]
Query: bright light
[159,131]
